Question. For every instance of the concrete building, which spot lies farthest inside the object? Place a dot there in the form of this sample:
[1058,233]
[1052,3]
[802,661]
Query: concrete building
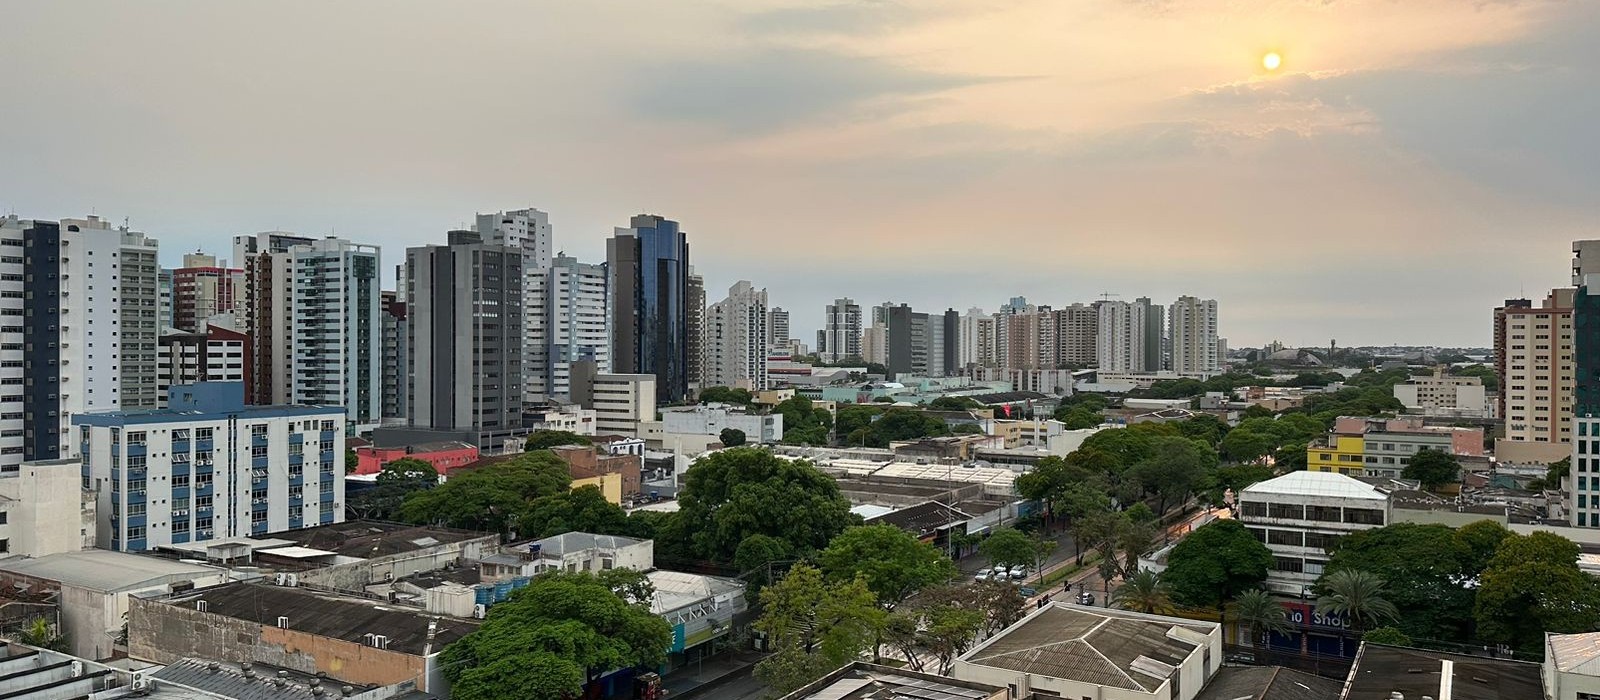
[583,552]
[875,344]
[137,281]
[977,345]
[841,331]
[358,639]
[908,341]
[1301,514]
[444,455]
[1155,332]
[1534,349]
[202,288]
[1026,340]
[1391,673]
[569,417]
[1381,447]
[45,510]
[649,267]
[396,357]
[571,323]
[1079,652]
[96,587]
[1444,395]
[466,350]
[1571,668]
[596,461]
[778,327]
[620,401]
[865,681]
[713,419]
[210,466]
[337,332]
[695,326]
[213,354]
[1119,342]
[268,280]
[1192,331]
[1077,335]
[1583,500]
[736,339]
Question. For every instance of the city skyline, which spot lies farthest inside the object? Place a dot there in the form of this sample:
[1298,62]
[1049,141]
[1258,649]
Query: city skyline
[938,165]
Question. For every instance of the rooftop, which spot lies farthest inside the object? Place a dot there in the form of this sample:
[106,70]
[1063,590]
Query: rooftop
[864,681]
[367,539]
[571,542]
[1268,683]
[1104,647]
[676,589]
[922,518]
[1380,671]
[328,615]
[105,570]
[1575,653]
[1008,397]
[254,681]
[1309,483]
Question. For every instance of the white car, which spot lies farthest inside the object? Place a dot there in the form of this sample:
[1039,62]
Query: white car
[1019,572]
[982,576]
[1000,571]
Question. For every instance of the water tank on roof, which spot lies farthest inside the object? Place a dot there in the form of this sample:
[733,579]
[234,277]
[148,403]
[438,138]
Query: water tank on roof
[483,595]
[502,590]
[535,548]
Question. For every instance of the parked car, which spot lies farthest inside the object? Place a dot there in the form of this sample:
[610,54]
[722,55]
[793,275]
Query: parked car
[1028,591]
[982,576]
[1019,572]
[1000,570]
[1086,599]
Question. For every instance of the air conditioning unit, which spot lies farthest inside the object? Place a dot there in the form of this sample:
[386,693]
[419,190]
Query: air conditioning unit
[281,578]
[292,581]
[479,610]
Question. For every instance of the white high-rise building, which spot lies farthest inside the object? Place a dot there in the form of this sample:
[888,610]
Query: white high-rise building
[778,327]
[735,339]
[1119,343]
[570,321]
[976,347]
[211,467]
[336,337]
[841,331]
[528,229]
[1192,329]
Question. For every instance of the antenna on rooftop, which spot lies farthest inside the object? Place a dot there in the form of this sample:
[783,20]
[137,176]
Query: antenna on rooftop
[1106,296]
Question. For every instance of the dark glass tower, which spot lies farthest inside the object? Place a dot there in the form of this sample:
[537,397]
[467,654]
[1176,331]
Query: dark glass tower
[649,264]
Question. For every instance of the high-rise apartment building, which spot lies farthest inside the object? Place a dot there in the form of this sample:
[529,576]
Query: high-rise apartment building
[1583,495]
[210,467]
[1026,339]
[1534,348]
[977,344]
[1077,335]
[841,331]
[164,310]
[1120,337]
[620,401]
[571,302]
[1192,329]
[217,354]
[778,327]
[947,338]
[736,339]
[202,289]
[136,277]
[528,230]
[875,344]
[1154,333]
[267,283]
[336,335]
[396,355]
[649,267]
[908,337]
[464,313]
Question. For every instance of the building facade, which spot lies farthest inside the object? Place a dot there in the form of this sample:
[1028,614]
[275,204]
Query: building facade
[464,315]
[736,339]
[210,467]
[695,324]
[268,279]
[778,327]
[216,354]
[620,401]
[841,331]
[1155,332]
[45,510]
[1441,394]
[1583,499]
[1534,357]
[396,356]
[649,267]
[337,329]
[1119,340]
[1077,335]
[571,323]
[1192,331]
[202,289]
[1301,515]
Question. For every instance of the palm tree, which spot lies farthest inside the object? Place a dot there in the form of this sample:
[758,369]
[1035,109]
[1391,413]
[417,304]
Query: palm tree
[1358,597]
[1262,614]
[41,634]
[1143,592]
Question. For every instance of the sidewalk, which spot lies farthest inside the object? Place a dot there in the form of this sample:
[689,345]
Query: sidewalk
[694,675]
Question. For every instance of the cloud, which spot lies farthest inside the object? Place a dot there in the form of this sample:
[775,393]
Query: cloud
[763,89]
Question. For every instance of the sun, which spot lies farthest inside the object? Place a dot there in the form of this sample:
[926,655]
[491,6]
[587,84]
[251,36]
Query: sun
[1271,61]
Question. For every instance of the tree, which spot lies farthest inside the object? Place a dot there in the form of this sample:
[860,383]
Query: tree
[395,481]
[803,422]
[351,460]
[1145,592]
[1426,570]
[1257,610]
[1531,586]
[954,403]
[557,636]
[1433,468]
[1079,418]
[853,417]
[1234,477]
[722,394]
[41,634]
[578,510]
[1357,596]
[755,557]
[1067,489]
[546,439]
[1246,445]
[903,424]
[1480,540]
[731,437]
[1204,427]
[1216,563]
[489,499]
[732,494]
[1010,547]
[1386,635]
[814,627]
[1173,468]
[892,562]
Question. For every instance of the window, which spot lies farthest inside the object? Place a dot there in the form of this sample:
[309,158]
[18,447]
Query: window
[1318,540]
[1292,538]
[1253,509]
[1291,511]
[1290,564]
[136,533]
[202,501]
[1363,516]
[1323,514]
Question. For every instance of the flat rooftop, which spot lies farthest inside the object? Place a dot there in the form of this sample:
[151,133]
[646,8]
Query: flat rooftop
[328,615]
[1268,683]
[105,570]
[368,539]
[864,681]
[1380,671]
[254,681]
[1121,650]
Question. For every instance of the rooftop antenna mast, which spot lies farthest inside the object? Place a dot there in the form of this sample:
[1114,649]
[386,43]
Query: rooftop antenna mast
[1106,296]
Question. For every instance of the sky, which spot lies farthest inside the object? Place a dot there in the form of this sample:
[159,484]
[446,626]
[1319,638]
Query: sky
[1410,164]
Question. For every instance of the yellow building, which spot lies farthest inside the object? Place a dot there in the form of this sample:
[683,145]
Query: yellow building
[1344,454]
[610,486]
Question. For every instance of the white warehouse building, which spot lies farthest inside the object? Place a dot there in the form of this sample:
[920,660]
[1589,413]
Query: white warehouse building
[211,467]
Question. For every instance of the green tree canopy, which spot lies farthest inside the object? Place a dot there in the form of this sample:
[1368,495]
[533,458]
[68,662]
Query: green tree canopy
[1204,427]
[722,394]
[1173,468]
[1433,468]
[892,562]
[582,509]
[731,437]
[853,417]
[1387,635]
[1216,563]
[803,422]
[1259,611]
[732,494]
[486,499]
[1359,596]
[1426,569]
[556,636]
[954,403]
[546,439]
[903,424]
[1480,540]
[1010,547]
[397,480]
[1532,586]
[1144,592]
[814,626]
[1067,489]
